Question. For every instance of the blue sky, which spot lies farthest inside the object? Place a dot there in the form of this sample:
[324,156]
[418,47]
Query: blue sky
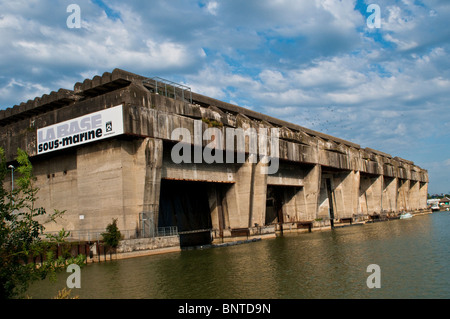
[315,63]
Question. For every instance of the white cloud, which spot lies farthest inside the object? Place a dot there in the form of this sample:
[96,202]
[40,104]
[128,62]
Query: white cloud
[314,63]
[398,20]
[212,7]
[22,91]
[401,44]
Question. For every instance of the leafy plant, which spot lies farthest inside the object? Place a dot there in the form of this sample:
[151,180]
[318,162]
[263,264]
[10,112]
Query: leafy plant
[21,233]
[65,294]
[112,235]
[212,123]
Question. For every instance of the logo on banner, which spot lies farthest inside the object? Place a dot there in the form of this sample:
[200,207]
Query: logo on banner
[109,126]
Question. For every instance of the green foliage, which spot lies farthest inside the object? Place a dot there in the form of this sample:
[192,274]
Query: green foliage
[21,233]
[112,235]
[212,123]
[65,294]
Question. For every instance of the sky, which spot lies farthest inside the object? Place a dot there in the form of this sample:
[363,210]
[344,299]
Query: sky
[320,64]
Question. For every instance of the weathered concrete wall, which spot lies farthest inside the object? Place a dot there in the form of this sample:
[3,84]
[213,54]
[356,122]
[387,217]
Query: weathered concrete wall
[307,196]
[94,184]
[140,244]
[370,194]
[98,182]
[58,183]
[152,184]
[403,195]
[346,194]
[389,197]
[121,177]
[423,193]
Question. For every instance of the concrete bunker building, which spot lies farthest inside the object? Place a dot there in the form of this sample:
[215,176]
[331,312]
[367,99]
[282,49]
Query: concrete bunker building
[103,151]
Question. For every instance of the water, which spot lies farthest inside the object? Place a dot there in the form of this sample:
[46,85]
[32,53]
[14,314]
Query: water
[413,255]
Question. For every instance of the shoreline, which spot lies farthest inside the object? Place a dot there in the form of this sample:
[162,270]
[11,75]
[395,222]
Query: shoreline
[226,241]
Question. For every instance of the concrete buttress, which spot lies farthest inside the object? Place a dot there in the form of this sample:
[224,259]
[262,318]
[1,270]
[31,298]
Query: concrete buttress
[152,187]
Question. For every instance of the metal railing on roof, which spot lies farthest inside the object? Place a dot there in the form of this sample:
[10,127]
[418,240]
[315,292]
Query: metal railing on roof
[169,89]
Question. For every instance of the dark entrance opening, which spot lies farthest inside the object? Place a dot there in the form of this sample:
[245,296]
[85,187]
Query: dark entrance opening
[185,204]
[276,197]
[274,205]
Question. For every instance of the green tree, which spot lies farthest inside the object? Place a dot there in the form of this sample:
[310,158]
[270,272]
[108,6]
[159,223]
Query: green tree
[22,235]
[112,235]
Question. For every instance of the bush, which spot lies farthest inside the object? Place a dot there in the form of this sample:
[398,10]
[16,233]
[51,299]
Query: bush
[112,235]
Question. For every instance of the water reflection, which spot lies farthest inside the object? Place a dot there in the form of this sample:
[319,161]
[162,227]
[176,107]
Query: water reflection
[413,256]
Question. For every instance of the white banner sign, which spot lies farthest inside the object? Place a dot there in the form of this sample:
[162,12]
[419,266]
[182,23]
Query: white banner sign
[85,129]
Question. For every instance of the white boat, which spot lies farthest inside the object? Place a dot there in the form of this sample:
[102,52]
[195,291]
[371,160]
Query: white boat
[433,204]
[406,216]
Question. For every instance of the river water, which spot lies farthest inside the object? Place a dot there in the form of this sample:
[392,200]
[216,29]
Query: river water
[413,256]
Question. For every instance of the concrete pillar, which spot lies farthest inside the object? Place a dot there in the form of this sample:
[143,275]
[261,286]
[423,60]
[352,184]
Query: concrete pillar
[389,197]
[214,207]
[356,178]
[307,198]
[218,207]
[414,195]
[246,199]
[324,202]
[133,180]
[346,193]
[238,198]
[403,195]
[423,193]
[99,185]
[290,209]
[370,195]
[152,184]
[258,209]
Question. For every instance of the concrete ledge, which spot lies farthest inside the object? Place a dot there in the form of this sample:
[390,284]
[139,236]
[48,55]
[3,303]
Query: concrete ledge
[131,248]
[133,245]
[418,213]
[133,254]
[220,240]
[147,252]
